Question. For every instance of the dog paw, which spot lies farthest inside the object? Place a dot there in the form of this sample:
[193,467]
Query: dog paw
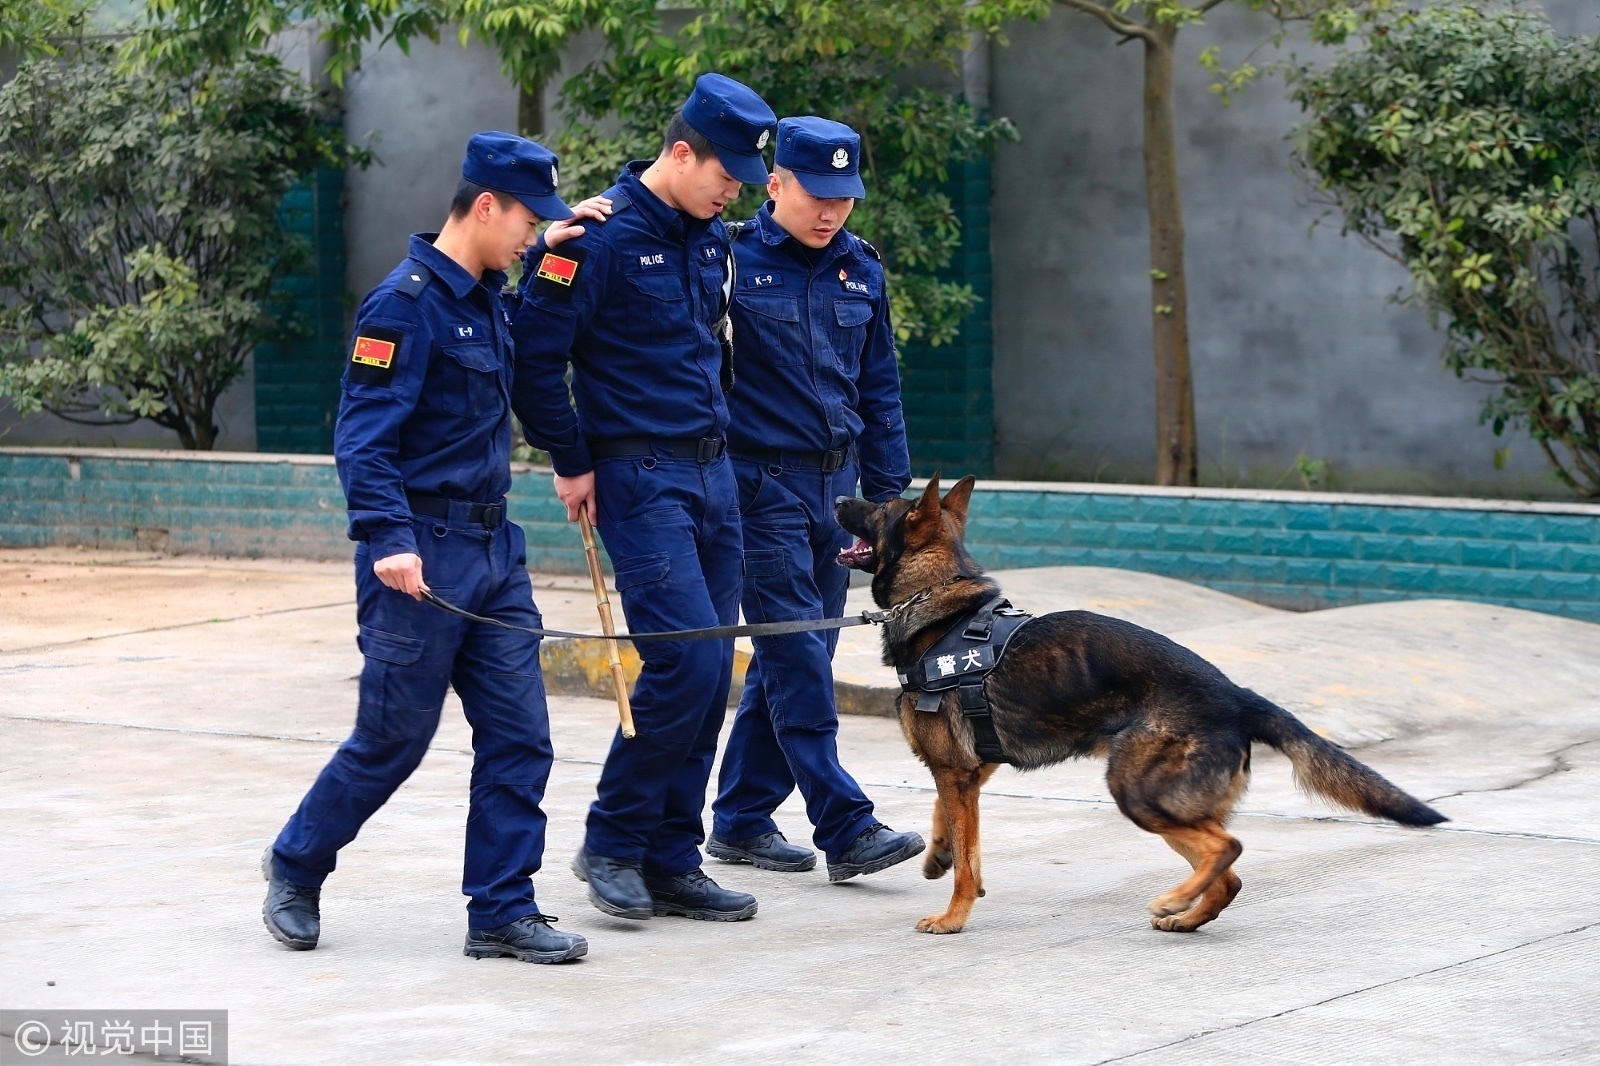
[939,923]
[1175,923]
[938,861]
[1167,903]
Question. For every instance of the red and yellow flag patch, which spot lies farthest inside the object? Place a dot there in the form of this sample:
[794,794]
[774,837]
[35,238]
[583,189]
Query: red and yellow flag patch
[557,269]
[370,351]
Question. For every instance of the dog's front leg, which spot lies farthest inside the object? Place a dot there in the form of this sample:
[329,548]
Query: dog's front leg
[939,857]
[958,799]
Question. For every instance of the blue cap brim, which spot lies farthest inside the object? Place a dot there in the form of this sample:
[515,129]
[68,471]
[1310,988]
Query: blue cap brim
[750,169]
[832,186]
[549,208]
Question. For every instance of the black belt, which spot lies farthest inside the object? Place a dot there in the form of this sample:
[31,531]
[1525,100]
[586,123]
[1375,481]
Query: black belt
[701,450]
[828,461]
[488,515]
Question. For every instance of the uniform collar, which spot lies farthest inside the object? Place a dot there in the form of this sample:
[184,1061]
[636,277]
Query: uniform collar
[666,221]
[449,271]
[773,234]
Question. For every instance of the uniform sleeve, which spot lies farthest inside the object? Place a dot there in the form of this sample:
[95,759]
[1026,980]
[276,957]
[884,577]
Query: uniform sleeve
[885,459]
[554,311]
[383,379]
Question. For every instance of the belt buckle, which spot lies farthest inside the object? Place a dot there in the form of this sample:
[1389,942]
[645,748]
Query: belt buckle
[493,515]
[833,460]
[707,449]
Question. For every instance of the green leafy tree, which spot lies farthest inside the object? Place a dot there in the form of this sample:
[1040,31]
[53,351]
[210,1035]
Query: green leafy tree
[839,58]
[1464,143]
[40,27]
[140,243]
[1156,24]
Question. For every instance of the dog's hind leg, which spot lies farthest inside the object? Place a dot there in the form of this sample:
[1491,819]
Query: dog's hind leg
[1217,895]
[958,796]
[1211,850]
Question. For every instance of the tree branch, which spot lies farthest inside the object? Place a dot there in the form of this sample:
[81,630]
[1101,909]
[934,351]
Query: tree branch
[1207,6]
[1116,23]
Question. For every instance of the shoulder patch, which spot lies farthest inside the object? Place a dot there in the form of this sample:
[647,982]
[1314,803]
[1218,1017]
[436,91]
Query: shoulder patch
[413,280]
[734,229]
[373,355]
[870,250]
[619,200]
[557,273]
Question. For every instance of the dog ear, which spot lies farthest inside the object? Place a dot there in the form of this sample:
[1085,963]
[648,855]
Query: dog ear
[928,506]
[959,496]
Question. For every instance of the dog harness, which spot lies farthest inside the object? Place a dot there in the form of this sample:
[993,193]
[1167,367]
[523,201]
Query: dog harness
[962,659]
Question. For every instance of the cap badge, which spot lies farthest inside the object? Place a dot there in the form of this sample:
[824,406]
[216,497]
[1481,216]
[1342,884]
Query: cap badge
[841,159]
[761,141]
[554,181]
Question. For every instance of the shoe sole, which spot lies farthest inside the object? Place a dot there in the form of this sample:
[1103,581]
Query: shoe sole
[266,919]
[604,906]
[728,853]
[678,910]
[500,951]
[838,871]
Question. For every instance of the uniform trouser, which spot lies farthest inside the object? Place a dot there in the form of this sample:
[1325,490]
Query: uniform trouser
[671,528]
[786,731]
[413,652]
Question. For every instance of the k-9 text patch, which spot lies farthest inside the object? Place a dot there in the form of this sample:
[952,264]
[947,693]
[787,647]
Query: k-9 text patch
[760,281]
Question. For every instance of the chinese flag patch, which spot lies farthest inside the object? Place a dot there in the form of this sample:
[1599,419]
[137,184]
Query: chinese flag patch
[557,269]
[371,351]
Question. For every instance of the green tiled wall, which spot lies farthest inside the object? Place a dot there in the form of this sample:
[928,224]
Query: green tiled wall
[948,390]
[1287,549]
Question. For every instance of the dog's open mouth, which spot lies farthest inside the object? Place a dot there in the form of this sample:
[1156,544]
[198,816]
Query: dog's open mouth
[857,556]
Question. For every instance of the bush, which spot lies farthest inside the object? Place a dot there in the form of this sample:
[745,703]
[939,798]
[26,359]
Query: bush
[1464,142]
[140,243]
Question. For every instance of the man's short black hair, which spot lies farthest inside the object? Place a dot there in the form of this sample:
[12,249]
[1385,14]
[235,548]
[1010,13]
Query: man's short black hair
[467,194]
[679,130]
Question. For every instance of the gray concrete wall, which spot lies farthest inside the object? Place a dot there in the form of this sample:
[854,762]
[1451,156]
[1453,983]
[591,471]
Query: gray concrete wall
[1296,348]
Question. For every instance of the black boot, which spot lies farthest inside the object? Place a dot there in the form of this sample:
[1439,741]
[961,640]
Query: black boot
[615,886]
[529,938]
[769,851]
[877,848]
[694,895]
[292,912]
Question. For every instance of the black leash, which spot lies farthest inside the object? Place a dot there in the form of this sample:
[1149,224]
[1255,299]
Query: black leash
[759,629]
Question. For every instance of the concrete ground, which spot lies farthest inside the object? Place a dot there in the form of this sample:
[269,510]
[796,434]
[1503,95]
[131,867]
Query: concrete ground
[162,716]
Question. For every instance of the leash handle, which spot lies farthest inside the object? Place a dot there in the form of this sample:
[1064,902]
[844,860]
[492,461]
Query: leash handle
[602,602]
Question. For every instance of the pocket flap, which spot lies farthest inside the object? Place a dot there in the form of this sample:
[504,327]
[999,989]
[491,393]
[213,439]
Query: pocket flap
[659,286]
[852,312]
[763,562]
[474,356]
[390,647]
[643,571]
[782,308]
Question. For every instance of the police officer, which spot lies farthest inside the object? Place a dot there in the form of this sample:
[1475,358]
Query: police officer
[817,406]
[634,306]
[423,447]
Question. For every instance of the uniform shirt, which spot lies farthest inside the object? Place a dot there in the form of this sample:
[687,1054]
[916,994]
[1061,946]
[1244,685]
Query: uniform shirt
[426,396]
[814,355]
[633,303]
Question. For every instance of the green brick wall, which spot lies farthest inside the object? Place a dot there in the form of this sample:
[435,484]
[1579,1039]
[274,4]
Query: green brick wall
[949,390]
[297,382]
[1297,550]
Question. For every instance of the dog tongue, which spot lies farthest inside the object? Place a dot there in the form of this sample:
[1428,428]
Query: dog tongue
[856,555]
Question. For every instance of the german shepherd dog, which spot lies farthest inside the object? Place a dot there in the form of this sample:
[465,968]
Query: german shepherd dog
[1175,732]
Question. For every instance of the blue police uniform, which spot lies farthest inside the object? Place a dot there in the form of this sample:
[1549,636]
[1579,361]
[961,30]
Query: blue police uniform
[423,444]
[633,305]
[816,406]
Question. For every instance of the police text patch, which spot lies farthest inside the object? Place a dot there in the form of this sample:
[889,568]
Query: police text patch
[556,275]
[372,356]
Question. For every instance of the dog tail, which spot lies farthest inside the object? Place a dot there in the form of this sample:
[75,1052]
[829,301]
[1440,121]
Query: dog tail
[1323,768]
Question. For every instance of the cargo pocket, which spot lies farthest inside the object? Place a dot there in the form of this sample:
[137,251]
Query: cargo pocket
[393,705]
[850,332]
[472,388]
[638,583]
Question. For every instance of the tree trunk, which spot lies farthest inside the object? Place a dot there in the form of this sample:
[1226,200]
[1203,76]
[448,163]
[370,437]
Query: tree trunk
[1177,460]
[530,111]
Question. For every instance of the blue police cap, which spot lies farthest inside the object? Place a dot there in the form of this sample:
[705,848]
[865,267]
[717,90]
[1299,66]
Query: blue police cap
[824,155]
[736,121]
[511,164]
